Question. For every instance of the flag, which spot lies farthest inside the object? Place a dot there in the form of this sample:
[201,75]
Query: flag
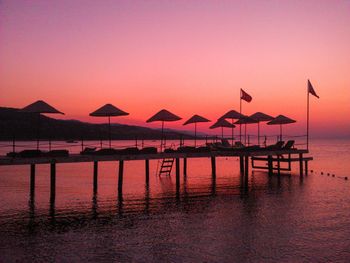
[245,96]
[311,89]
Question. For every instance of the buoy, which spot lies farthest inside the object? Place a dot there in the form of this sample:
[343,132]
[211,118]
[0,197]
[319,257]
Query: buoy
[332,175]
[346,178]
[312,171]
[328,174]
[321,172]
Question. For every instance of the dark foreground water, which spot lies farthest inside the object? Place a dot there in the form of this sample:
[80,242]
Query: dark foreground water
[272,219]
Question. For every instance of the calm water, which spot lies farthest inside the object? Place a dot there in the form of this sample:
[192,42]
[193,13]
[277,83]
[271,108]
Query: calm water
[272,219]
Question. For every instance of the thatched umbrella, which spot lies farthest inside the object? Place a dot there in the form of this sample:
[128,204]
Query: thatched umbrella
[281,120]
[195,119]
[222,123]
[260,117]
[233,115]
[40,107]
[163,116]
[245,120]
[108,110]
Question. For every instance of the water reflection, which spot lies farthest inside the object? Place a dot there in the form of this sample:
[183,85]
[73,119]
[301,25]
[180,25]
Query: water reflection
[189,197]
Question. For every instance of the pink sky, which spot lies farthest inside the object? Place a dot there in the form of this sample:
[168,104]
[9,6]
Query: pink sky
[190,57]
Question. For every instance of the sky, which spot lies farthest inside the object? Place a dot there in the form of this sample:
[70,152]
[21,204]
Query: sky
[190,57]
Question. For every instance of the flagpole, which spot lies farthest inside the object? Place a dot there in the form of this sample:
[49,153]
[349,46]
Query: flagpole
[240,111]
[307,119]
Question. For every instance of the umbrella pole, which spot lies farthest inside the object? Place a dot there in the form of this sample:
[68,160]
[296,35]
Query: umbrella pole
[245,133]
[38,133]
[222,132]
[195,134]
[161,139]
[280,132]
[232,132]
[109,131]
[259,133]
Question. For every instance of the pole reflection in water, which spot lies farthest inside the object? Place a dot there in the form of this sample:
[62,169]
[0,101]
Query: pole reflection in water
[94,206]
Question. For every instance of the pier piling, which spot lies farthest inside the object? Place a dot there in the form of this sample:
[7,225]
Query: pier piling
[213,166]
[246,166]
[95,176]
[307,167]
[270,165]
[120,177]
[301,164]
[185,166]
[52,181]
[278,165]
[147,171]
[32,179]
[241,165]
[177,174]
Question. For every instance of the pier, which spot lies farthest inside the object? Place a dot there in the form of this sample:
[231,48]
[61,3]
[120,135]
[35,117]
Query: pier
[270,160]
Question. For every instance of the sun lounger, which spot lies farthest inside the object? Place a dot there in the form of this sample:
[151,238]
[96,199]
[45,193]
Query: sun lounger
[289,145]
[225,143]
[203,149]
[30,153]
[186,149]
[130,150]
[88,150]
[57,153]
[105,151]
[148,150]
[169,150]
[277,146]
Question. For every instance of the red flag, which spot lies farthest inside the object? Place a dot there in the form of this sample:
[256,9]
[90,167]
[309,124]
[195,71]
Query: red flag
[311,89]
[245,96]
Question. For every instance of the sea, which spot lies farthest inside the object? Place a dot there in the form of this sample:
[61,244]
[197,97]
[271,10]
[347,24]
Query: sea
[286,218]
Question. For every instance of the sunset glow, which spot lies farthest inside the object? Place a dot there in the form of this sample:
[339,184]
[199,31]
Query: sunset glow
[143,56]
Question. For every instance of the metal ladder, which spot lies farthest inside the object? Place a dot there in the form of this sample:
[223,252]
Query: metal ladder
[166,167]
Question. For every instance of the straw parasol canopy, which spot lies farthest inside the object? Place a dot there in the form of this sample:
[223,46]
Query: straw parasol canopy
[195,119]
[108,110]
[260,117]
[246,120]
[40,107]
[222,123]
[281,120]
[233,115]
[163,116]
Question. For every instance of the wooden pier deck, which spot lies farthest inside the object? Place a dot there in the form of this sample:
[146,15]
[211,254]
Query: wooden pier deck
[270,157]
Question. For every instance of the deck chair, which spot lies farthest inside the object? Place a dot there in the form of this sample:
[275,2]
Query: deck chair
[289,145]
[277,146]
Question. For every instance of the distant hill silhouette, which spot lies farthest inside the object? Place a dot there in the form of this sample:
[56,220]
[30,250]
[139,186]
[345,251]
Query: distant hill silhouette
[23,126]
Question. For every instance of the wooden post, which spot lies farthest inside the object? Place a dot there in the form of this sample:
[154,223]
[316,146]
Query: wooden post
[185,166]
[213,166]
[278,165]
[306,167]
[95,176]
[301,164]
[241,165]
[270,164]
[177,174]
[246,166]
[53,181]
[147,171]
[120,177]
[32,179]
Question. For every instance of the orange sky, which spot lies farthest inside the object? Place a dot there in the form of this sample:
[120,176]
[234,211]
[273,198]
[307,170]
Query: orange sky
[190,57]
